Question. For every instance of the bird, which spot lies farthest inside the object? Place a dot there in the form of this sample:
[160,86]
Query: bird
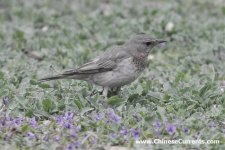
[118,66]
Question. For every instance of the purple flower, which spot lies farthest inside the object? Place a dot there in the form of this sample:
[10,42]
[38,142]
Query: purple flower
[74,145]
[112,116]
[186,130]
[16,122]
[157,125]
[33,122]
[31,136]
[71,147]
[5,100]
[77,144]
[9,118]
[68,116]
[123,131]
[98,117]
[65,121]
[67,125]
[171,129]
[59,119]
[135,134]
[113,135]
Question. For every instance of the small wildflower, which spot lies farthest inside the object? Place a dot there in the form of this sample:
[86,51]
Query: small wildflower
[74,145]
[31,135]
[16,122]
[171,129]
[67,125]
[9,118]
[77,144]
[169,27]
[113,117]
[98,117]
[186,130]
[113,135]
[135,134]
[123,131]
[68,116]
[157,125]
[71,147]
[33,122]
[59,119]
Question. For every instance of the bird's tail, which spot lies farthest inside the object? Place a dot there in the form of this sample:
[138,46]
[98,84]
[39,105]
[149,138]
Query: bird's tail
[56,77]
[70,74]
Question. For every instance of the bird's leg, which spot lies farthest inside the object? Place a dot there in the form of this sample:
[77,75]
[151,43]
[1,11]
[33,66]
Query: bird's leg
[102,99]
[115,91]
[118,91]
[105,92]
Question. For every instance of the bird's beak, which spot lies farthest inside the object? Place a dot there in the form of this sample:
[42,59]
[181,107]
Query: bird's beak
[160,41]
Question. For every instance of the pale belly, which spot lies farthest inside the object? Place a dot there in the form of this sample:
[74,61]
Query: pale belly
[125,73]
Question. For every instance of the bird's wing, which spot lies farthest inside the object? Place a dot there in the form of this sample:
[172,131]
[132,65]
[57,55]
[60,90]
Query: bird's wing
[105,62]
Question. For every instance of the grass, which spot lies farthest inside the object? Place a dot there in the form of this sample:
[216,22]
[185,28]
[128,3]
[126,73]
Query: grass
[179,96]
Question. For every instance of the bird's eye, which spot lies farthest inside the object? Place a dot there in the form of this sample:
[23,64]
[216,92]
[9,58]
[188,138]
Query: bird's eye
[148,43]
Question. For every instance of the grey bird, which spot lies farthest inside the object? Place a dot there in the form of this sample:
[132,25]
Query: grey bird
[117,66]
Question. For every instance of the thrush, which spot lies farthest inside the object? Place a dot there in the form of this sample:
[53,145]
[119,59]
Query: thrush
[117,66]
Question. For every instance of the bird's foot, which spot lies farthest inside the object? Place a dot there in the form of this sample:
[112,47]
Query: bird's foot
[114,91]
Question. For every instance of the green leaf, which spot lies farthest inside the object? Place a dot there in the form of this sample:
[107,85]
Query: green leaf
[204,89]
[61,105]
[19,35]
[79,104]
[47,105]
[44,86]
[115,101]
[33,82]
[24,128]
[1,75]
[29,113]
[223,10]
[133,97]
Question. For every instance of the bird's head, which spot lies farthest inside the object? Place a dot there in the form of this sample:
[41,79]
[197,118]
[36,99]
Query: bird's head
[141,44]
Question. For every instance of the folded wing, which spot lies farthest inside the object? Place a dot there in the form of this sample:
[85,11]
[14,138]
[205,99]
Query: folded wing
[102,63]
